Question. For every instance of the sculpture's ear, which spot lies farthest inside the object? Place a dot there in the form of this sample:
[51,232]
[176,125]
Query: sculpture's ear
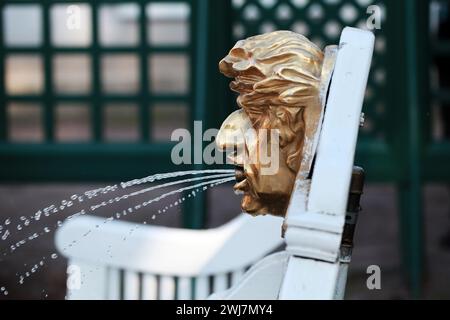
[298,124]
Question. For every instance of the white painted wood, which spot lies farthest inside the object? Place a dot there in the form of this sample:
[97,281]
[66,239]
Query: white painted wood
[261,282]
[317,244]
[167,288]
[190,253]
[113,284]
[341,281]
[308,279]
[336,149]
[184,288]
[236,276]
[220,282]
[92,281]
[131,285]
[149,287]
[316,213]
[201,288]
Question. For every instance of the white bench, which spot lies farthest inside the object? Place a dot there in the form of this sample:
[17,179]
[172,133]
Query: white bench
[157,262]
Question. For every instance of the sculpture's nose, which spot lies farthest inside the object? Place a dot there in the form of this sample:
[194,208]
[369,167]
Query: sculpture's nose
[232,132]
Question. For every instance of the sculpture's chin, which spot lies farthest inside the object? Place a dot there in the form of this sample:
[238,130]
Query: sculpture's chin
[251,205]
[257,207]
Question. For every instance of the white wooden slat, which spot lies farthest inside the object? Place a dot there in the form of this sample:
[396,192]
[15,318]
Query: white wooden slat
[308,279]
[236,276]
[131,286]
[113,284]
[261,282]
[220,282]
[201,288]
[167,288]
[336,149]
[184,288]
[149,287]
[86,281]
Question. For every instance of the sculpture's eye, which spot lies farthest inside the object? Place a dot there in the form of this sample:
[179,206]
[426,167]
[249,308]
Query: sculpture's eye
[238,52]
[280,114]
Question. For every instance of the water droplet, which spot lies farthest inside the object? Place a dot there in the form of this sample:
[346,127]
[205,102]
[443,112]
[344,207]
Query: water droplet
[27,222]
[5,235]
[54,256]
[2,289]
[5,293]
[46,229]
[154,217]
[19,227]
[7,221]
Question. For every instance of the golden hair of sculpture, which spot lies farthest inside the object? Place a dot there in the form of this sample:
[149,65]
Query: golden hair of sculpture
[277,76]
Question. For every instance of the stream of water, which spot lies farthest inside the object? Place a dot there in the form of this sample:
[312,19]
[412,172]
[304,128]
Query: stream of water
[212,179]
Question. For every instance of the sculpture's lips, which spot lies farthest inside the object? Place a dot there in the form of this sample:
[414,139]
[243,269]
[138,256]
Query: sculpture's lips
[241,185]
[239,174]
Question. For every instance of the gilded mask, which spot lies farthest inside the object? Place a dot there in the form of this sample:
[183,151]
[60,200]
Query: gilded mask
[277,76]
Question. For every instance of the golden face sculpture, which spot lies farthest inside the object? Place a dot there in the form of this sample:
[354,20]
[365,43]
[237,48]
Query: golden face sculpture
[277,76]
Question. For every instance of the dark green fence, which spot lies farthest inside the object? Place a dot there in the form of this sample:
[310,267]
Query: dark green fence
[396,144]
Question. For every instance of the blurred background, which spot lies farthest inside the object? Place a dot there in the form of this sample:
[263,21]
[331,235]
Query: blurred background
[94,101]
